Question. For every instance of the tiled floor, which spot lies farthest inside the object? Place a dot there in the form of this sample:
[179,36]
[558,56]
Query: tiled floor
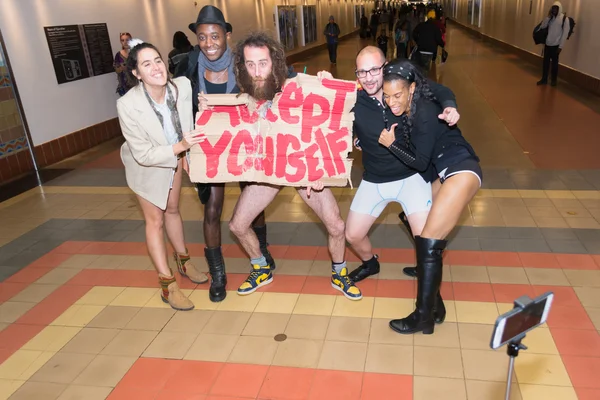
[81,318]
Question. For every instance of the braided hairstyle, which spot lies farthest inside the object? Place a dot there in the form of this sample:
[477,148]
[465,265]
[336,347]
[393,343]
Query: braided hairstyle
[405,70]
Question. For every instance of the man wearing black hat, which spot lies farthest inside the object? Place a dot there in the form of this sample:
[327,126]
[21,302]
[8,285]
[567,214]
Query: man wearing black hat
[209,67]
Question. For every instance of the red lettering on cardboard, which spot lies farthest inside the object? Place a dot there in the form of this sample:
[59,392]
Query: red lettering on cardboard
[309,118]
[213,153]
[291,97]
[342,89]
[234,116]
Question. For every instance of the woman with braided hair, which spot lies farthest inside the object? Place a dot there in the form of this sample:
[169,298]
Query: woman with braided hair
[425,142]
[157,123]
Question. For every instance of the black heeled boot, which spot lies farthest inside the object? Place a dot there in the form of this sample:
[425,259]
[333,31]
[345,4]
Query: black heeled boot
[439,310]
[216,268]
[261,234]
[368,268]
[429,278]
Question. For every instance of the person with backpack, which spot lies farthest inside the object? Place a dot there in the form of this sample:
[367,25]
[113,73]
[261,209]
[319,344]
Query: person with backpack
[558,26]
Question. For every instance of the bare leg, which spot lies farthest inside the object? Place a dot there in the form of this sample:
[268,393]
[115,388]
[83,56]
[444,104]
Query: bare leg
[260,219]
[173,222]
[154,218]
[357,229]
[324,205]
[253,200]
[417,221]
[435,189]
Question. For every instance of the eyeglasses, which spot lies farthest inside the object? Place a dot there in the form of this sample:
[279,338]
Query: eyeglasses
[372,71]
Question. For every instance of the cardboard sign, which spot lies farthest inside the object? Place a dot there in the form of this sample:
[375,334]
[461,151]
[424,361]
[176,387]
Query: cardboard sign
[303,135]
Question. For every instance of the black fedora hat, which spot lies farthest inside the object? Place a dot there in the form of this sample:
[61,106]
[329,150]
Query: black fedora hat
[209,15]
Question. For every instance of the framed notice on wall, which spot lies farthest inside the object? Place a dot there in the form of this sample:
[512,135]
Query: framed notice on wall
[79,51]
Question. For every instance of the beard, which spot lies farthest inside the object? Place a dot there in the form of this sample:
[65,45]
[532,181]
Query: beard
[266,91]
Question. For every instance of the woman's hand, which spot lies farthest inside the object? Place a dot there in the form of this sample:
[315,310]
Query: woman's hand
[450,115]
[388,137]
[192,138]
[324,75]
[316,186]
[203,102]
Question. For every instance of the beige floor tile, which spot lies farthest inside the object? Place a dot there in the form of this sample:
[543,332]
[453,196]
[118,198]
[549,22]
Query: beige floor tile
[227,322]
[57,276]
[105,370]
[445,335]
[551,222]
[511,275]
[348,329]
[173,345]
[212,347]
[348,308]
[438,362]
[150,319]
[475,336]
[476,312]
[485,365]
[300,353]
[381,333]
[79,261]
[589,297]
[266,324]
[107,262]
[51,338]
[583,278]
[8,387]
[343,356]
[540,341]
[428,388]
[134,297]
[466,273]
[315,304]
[297,267]
[541,369]
[76,392]
[34,293]
[62,368]
[188,321]
[90,341]
[389,308]
[389,359]
[100,295]
[279,303]
[235,302]
[15,366]
[201,301]
[539,392]
[78,315]
[253,350]
[130,343]
[139,263]
[393,271]
[302,326]
[594,314]
[114,317]
[38,390]
[547,276]
[37,364]
[491,390]
[11,311]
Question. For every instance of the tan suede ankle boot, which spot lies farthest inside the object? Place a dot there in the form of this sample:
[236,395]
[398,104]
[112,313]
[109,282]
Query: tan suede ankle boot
[172,294]
[188,269]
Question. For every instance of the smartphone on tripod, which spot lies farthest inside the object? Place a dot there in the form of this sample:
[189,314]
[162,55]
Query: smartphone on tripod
[514,324]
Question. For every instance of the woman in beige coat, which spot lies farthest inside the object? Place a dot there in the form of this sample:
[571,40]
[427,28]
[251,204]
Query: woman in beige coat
[157,123]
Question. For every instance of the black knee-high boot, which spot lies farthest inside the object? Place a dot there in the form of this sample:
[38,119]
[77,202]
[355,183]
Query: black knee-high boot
[439,310]
[216,268]
[261,234]
[429,278]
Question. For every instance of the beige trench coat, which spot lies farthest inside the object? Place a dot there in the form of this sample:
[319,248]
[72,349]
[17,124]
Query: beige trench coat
[148,158]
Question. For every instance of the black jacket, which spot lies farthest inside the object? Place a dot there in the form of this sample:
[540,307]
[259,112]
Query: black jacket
[428,36]
[369,120]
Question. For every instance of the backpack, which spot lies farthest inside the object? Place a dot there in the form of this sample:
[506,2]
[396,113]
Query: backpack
[572,24]
[540,34]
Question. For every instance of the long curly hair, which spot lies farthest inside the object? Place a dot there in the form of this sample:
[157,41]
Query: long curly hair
[276,51]
[406,71]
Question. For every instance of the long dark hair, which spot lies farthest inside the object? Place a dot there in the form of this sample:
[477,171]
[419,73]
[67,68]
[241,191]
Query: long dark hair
[132,64]
[405,70]
[181,41]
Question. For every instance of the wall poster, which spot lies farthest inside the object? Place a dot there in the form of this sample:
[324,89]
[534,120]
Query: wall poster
[477,13]
[470,12]
[79,51]
[309,20]
[287,26]
[358,13]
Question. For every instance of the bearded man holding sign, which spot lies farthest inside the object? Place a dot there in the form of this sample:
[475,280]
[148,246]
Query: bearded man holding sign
[279,132]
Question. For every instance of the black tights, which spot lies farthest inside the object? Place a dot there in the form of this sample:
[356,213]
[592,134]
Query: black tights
[213,210]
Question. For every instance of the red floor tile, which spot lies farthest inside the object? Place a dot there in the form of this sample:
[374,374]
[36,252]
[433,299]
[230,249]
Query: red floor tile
[351,256]
[287,383]
[400,289]
[150,374]
[507,293]
[16,335]
[301,253]
[5,353]
[387,387]
[285,284]
[323,254]
[576,261]
[278,251]
[234,250]
[318,285]
[130,249]
[193,377]
[347,385]
[127,393]
[583,371]
[179,395]
[587,394]
[446,290]
[574,342]
[368,287]
[97,248]
[501,259]
[596,259]
[241,380]
[470,291]
[461,257]
[405,256]
[8,290]
[71,247]
[539,260]
[50,260]
[563,295]
[196,249]
[29,274]
[569,318]
[93,277]
[54,305]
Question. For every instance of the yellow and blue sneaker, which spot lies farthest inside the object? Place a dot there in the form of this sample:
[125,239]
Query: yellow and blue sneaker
[260,276]
[344,284]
